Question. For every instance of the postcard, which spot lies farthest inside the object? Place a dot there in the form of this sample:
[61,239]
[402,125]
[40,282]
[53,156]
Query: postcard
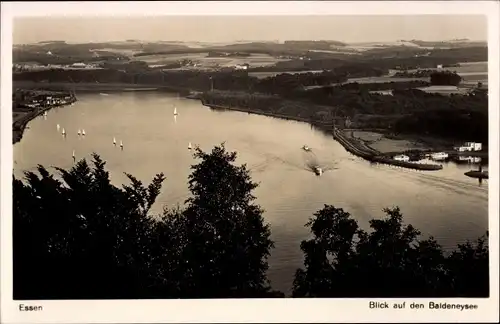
[249,161]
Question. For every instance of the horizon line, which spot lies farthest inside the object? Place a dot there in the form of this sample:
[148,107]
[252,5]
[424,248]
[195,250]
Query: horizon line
[464,39]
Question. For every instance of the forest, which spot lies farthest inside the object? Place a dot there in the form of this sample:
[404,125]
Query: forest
[408,110]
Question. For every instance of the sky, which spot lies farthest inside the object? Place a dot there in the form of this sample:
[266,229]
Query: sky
[264,28]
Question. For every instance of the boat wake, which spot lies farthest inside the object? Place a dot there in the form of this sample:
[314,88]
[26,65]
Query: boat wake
[311,164]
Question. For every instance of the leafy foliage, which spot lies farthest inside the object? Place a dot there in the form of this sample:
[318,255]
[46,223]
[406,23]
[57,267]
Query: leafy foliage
[445,78]
[83,238]
[342,260]
[222,236]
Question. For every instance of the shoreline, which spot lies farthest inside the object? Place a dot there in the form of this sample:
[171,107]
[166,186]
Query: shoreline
[19,125]
[356,148]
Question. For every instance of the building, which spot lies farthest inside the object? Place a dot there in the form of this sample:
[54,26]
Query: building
[440,66]
[402,157]
[469,146]
[242,66]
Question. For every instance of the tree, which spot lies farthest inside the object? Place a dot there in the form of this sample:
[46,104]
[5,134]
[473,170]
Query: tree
[82,237]
[342,260]
[222,237]
[445,78]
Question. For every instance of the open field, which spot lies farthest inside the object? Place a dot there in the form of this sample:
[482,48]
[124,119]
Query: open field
[465,68]
[201,58]
[383,144]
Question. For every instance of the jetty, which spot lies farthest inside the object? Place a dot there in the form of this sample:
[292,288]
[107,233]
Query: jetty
[363,151]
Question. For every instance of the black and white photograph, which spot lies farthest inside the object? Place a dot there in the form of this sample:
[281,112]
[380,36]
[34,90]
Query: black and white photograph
[251,156]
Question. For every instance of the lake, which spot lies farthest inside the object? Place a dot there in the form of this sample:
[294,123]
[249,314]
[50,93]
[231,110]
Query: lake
[445,203]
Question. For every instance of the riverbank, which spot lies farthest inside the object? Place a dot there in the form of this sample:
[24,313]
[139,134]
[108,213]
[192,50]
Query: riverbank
[356,147]
[360,149]
[19,124]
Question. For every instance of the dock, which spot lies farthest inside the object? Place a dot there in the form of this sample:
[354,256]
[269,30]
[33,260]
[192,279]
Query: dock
[371,155]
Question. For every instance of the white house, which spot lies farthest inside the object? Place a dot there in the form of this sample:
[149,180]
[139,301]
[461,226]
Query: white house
[402,157]
[469,146]
[440,66]
[241,66]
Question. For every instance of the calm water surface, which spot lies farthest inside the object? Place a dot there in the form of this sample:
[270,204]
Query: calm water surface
[445,204]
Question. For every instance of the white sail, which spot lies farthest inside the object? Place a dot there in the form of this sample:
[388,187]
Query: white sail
[121,144]
[58,127]
[83,132]
[175,110]
[73,153]
[79,132]
[189,146]
[63,131]
[114,141]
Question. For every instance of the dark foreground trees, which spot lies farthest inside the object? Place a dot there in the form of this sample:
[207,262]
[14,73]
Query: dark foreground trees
[342,260]
[222,240]
[84,238]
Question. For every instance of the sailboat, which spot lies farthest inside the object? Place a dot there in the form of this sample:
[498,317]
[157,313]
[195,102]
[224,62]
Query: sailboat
[83,132]
[44,114]
[74,156]
[58,127]
[175,111]
[79,132]
[189,146]
[114,141]
[121,144]
[63,132]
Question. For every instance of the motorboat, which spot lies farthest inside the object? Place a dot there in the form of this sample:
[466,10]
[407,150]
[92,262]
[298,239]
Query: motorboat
[306,148]
[439,156]
[402,158]
[318,171]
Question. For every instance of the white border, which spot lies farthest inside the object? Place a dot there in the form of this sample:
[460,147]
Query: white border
[278,310]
